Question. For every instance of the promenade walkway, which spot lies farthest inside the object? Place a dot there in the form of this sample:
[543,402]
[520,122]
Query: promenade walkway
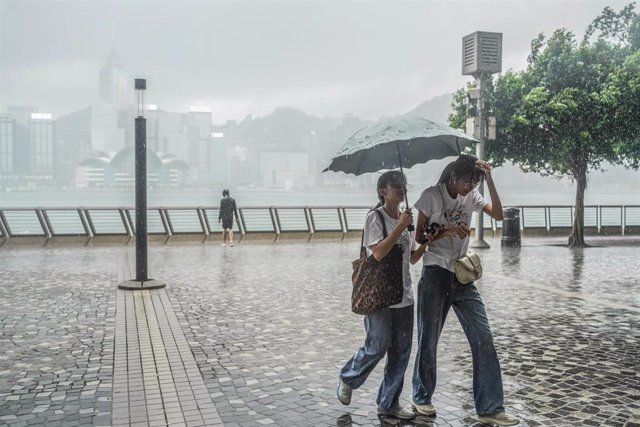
[255,335]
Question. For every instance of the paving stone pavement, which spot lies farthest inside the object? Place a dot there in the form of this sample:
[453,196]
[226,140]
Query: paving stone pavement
[156,379]
[269,327]
[57,337]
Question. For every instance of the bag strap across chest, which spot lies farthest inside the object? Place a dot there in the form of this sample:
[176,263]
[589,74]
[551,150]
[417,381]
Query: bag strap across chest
[384,230]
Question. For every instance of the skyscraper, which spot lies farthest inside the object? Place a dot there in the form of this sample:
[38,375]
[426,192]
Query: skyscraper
[114,87]
[41,144]
[27,146]
[7,138]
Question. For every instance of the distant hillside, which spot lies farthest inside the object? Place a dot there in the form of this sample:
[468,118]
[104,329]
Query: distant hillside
[289,130]
[436,109]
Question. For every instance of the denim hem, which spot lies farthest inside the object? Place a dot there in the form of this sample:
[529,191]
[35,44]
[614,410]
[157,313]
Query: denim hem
[347,383]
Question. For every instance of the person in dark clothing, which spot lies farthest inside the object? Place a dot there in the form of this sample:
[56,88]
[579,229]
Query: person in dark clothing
[225,215]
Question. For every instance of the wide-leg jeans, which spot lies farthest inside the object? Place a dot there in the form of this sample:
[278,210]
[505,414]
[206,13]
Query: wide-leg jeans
[438,291]
[389,332]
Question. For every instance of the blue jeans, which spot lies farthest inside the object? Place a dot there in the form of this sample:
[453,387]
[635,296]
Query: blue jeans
[438,291]
[389,331]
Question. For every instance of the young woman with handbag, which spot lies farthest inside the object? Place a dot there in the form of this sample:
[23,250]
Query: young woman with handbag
[447,281]
[389,329]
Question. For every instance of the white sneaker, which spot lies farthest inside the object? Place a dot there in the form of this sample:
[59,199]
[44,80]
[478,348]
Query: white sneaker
[499,419]
[343,392]
[231,244]
[402,413]
[223,244]
[424,409]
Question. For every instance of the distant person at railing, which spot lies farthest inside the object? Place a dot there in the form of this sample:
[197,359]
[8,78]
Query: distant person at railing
[389,330]
[450,204]
[225,215]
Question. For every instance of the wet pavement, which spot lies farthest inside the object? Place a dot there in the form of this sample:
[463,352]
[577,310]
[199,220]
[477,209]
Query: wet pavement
[268,327]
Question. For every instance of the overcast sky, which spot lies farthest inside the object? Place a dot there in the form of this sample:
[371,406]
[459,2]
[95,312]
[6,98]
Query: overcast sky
[371,59]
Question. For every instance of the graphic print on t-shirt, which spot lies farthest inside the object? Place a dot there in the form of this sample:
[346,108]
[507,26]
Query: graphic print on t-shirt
[403,242]
[455,216]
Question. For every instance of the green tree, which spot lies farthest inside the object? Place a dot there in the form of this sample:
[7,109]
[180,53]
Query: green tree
[575,106]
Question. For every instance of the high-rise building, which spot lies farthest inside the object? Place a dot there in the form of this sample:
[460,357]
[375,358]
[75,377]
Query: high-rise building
[114,81]
[200,144]
[7,138]
[21,115]
[109,128]
[166,132]
[105,126]
[42,144]
[27,146]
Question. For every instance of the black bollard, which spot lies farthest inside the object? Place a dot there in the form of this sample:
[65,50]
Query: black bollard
[511,228]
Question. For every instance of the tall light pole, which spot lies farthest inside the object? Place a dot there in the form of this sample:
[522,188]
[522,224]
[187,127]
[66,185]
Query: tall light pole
[142,271]
[142,280]
[481,57]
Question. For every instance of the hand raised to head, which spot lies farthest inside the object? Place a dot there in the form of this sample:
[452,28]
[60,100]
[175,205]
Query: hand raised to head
[484,166]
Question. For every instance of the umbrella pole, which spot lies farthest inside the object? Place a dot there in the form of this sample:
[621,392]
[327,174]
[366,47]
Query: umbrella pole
[404,185]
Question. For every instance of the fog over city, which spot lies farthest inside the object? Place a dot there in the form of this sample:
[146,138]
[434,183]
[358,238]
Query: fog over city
[253,96]
[371,59]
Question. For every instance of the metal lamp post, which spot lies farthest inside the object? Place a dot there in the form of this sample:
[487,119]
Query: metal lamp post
[481,57]
[142,280]
[141,185]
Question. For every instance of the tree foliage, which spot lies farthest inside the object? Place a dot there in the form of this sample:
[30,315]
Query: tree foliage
[575,106]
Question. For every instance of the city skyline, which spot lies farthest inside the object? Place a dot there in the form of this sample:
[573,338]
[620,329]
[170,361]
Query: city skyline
[240,59]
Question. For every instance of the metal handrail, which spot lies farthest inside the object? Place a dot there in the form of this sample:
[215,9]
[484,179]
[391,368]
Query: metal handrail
[626,218]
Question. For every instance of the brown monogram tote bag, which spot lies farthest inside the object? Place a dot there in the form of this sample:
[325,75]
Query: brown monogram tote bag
[376,284]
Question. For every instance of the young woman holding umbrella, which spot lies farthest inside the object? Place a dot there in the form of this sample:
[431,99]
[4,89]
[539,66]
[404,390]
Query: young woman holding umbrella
[389,331]
[450,204]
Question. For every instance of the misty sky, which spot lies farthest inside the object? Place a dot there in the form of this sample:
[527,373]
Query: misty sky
[371,59]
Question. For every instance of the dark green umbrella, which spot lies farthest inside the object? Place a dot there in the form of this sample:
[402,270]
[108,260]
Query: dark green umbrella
[398,143]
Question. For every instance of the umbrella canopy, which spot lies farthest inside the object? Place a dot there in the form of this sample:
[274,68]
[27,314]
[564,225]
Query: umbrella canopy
[402,142]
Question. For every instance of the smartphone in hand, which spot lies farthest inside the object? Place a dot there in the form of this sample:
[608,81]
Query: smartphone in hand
[431,230]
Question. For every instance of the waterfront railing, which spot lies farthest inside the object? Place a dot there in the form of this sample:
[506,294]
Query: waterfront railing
[276,222]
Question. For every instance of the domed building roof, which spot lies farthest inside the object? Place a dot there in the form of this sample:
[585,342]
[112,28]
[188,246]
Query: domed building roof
[173,163]
[119,169]
[98,162]
[125,158]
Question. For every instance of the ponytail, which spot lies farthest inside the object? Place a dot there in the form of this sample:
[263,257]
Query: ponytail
[446,173]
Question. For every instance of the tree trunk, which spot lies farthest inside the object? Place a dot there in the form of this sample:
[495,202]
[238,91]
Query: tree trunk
[576,240]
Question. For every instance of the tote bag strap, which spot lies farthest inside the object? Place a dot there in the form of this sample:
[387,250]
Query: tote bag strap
[384,224]
[384,230]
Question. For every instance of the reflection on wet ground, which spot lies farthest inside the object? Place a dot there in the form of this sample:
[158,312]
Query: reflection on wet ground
[269,327]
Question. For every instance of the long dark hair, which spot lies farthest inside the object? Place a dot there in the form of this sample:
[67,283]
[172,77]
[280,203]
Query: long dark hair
[390,177]
[464,167]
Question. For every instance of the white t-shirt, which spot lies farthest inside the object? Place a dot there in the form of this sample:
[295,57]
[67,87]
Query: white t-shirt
[445,251]
[373,234]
